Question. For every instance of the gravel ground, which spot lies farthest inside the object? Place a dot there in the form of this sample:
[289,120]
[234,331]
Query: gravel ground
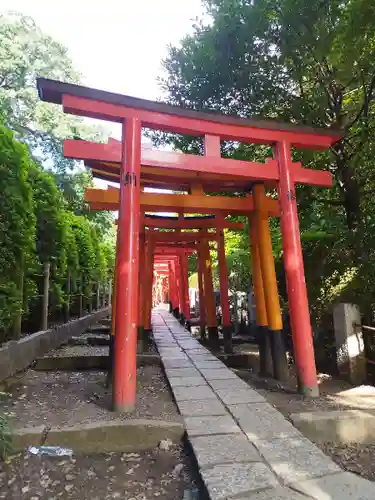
[70,351]
[69,398]
[133,476]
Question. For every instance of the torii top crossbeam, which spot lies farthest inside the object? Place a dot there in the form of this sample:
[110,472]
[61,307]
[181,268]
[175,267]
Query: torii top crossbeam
[100,104]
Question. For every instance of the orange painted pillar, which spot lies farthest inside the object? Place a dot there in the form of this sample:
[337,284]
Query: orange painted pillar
[183,311]
[271,294]
[224,288]
[295,276]
[149,260]
[202,302]
[185,261]
[213,336]
[124,383]
[263,337]
[142,338]
[180,289]
[170,288]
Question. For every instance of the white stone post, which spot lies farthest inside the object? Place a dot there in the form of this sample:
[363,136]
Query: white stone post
[351,359]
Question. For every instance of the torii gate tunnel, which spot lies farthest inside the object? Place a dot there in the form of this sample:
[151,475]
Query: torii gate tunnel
[135,167]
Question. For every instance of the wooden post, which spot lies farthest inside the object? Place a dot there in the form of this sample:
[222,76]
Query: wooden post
[213,336]
[67,301]
[263,335]
[17,323]
[109,292]
[202,302]
[271,294]
[124,383]
[141,291]
[224,288]
[46,274]
[98,296]
[295,276]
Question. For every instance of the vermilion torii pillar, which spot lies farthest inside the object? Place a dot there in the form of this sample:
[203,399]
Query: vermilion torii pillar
[295,275]
[124,382]
[224,291]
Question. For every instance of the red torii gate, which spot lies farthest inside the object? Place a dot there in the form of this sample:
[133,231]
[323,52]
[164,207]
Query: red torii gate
[134,114]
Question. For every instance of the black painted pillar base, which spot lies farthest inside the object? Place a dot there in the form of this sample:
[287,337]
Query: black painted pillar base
[176,312]
[279,361]
[188,326]
[141,345]
[182,319]
[170,307]
[202,332]
[111,361]
[227,336]
[213,337]
[265,357]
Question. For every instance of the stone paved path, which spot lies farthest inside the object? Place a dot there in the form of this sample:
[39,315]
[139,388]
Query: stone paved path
[245,448]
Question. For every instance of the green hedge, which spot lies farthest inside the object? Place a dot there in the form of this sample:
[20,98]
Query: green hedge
[38,225]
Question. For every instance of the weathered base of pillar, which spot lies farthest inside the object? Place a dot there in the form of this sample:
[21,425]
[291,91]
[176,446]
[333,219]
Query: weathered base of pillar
[182,319]
[142,343]
[213,337]
[227,336]
[111,361]
[202,332]
[123,408]
[265,357]
[188,326]
[170,307]
[307,392]
[176,312]
[279,361]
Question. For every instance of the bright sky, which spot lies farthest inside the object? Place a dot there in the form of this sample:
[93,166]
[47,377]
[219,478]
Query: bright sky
[116,45]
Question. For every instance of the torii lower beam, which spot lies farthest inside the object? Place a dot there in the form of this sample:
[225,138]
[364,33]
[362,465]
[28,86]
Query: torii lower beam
[101,199]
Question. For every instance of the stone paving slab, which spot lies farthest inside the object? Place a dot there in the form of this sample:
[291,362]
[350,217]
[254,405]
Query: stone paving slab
[260,421]
[227,481]
[177,363]
[201,408]
[186,381]
[229,384]
[230,397]
[182,372]
[199,393]
[296,459]
[273,494]
[343,486]
[208,364]
[203,426]
[221,449]
[217,373]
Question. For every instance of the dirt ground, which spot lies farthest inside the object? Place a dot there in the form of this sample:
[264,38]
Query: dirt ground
[69,398]
[167,475]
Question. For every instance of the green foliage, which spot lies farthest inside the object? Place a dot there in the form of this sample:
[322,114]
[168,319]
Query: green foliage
[43,217]
[17,225]
[307,62]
